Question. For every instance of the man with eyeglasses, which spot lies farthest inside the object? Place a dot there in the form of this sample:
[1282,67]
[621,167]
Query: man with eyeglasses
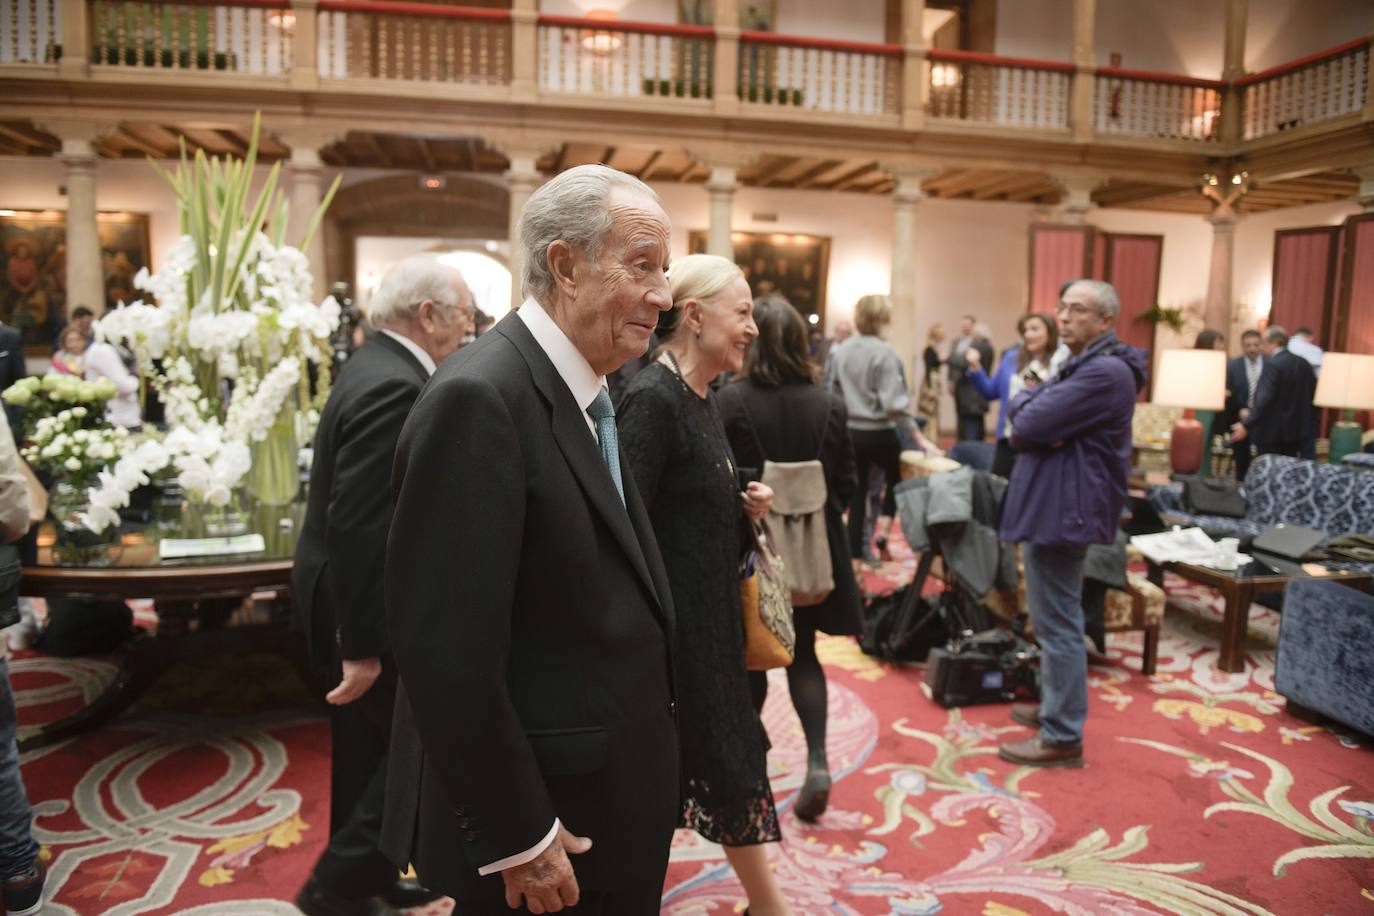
[423,311]
[1073,439]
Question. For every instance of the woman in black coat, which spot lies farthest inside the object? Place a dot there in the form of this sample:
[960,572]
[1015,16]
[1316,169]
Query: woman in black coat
[774,410]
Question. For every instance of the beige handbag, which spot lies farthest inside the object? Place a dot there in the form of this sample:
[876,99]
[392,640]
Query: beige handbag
[770,634]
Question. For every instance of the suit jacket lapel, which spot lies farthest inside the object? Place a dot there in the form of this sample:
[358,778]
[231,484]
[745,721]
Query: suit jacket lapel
[387,342]
[579,447]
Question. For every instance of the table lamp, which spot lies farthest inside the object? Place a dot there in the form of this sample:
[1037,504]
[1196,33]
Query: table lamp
[1194,380]
[1347,384]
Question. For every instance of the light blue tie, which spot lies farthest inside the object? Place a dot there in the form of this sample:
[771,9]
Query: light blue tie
[604,414]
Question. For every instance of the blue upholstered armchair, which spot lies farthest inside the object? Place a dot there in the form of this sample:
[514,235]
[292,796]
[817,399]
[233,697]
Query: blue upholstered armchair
[1326,651]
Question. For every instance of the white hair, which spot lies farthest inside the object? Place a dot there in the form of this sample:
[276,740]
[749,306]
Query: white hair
[572,207]
[408,284]
[1103,295]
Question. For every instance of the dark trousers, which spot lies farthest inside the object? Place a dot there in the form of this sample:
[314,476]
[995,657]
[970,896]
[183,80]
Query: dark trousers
[1242,452]
[872,447]
[1291,449]
[971,428]
[1003,459]
[351,865]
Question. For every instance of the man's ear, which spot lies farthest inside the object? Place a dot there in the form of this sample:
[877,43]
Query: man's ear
[561,259]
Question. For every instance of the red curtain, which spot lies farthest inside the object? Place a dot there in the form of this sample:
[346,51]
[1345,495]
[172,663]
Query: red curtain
[1058,254]
[1359,329]
[1304,279]
[1133,268]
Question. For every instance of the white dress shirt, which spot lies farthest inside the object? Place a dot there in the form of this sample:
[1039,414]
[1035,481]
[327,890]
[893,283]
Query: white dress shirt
[584,385]
[415,350]
[1301,346]
[103,361]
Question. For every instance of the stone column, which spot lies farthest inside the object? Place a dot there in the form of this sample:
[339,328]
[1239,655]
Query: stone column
[84,279]
[1365,197]
[524,25]
[725,69]
[721,186]
[304,175]
[522,178]
[75,37]
[305,68]
[1077,201]
[914,79]
[1081,110]
[1217,311]
[905,198]
[1232,102]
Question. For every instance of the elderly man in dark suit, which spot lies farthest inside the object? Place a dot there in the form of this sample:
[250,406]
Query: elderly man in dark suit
[422,310]
[527,603]
[1283,400]
[1242,382]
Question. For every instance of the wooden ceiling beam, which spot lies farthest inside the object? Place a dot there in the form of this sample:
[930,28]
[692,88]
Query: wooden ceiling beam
[780,165]
[375,147]
[806,178]
[1003,185]
[646,170]
[967,183]
[426,154]
[849,176]
[26,138]
[131,137]
[607,156]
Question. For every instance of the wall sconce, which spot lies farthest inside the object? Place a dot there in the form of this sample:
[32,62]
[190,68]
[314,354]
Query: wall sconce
[283,21]
[598,42]
[944,76]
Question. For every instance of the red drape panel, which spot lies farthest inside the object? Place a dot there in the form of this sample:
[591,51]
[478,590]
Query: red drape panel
[1058,253]
[1304,276]
[1100,256]
[1133,268]
[1359,331]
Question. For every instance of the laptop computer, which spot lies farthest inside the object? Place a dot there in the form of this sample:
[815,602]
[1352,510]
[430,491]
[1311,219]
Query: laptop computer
[1282,547]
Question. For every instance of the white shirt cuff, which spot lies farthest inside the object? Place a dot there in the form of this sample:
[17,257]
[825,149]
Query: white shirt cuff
[520,858]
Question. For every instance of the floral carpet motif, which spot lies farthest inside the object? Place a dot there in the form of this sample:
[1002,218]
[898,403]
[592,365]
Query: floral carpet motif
[1201,795]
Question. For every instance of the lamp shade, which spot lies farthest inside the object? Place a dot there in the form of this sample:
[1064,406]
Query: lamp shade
[1346,382]
[1193,379]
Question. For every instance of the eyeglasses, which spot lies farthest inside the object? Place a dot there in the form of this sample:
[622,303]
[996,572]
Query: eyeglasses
[1076,308]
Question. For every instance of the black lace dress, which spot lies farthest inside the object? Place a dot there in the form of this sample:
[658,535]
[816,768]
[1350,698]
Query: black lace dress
[674,442]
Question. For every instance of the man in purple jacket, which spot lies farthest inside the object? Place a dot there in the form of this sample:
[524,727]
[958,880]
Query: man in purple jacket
[1068,487]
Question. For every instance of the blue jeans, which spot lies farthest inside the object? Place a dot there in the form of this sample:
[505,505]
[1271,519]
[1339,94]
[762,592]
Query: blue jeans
[17,848]
[1054,590]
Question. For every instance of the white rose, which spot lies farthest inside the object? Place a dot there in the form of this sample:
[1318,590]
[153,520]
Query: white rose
[72,465]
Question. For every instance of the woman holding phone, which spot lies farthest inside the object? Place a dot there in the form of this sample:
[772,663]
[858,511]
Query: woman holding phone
[1025,365]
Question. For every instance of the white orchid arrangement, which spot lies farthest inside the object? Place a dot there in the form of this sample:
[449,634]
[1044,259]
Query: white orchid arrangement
[65,445]
[233,305]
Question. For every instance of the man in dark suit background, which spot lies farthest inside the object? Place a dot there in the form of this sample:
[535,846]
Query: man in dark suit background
[12,369]
[1283,400]
[422,310]
[969,404]
[527,604]
[1242,382]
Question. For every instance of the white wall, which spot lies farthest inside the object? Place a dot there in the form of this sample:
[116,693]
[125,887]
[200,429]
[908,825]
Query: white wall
[1278,31]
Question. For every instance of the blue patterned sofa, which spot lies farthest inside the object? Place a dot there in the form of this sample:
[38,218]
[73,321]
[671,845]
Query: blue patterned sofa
[1324,660]
[1329,497]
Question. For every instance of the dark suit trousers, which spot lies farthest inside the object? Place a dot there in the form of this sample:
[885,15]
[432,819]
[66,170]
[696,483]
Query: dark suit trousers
[971,428]
[351,865]
[1291,449]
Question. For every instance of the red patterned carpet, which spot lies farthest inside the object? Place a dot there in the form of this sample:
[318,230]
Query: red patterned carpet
[1201,795]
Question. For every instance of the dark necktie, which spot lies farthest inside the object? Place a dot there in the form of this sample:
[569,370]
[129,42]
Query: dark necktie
[604,414]
[1253,373]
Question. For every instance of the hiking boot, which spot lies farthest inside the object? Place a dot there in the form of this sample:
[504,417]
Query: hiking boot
[1027,714]
[1037,752]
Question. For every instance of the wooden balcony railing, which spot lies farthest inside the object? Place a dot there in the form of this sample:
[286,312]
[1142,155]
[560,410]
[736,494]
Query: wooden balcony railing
[1004,91]
[1313,88]
[245,36]
[30,32]
[818,75]
[600,57]
[1142,104]
[380,40]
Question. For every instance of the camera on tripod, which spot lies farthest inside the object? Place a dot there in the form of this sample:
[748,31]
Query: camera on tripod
[991,666]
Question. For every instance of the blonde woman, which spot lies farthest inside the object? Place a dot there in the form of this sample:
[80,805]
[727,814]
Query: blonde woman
[929,404]
[868,373]
[673,439]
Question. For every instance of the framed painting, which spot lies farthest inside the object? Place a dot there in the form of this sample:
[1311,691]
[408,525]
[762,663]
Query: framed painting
[33,248]
[789,263]
[754,15]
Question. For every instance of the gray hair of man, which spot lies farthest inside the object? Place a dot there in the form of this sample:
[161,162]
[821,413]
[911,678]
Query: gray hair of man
[1276,335]
[1103,295]
[407,285]
[574,207]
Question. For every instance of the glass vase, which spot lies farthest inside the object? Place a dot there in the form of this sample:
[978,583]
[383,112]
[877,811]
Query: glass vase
[202,520]
[74,544]
[275,479]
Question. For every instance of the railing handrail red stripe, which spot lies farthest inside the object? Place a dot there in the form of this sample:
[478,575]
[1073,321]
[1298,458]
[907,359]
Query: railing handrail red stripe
[641,28]
[820,44]
[1152,77]
[248,4]
[945,55]
[400,8]
[1344,47]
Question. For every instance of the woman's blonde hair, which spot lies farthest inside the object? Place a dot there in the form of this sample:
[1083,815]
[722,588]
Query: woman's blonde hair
[698,276]
[937,330]
[872,314]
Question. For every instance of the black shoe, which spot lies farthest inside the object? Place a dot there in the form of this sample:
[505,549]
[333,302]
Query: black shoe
[407,893]
[24,896]
[314,900]
[814,795]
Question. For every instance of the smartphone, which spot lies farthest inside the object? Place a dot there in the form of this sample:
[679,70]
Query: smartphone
[746,476]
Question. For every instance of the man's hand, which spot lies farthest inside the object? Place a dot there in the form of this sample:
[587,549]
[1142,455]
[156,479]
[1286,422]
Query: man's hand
[358,676]
[973,358]
[758,499]
[1238,432]
[1244,414]
[546,882]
